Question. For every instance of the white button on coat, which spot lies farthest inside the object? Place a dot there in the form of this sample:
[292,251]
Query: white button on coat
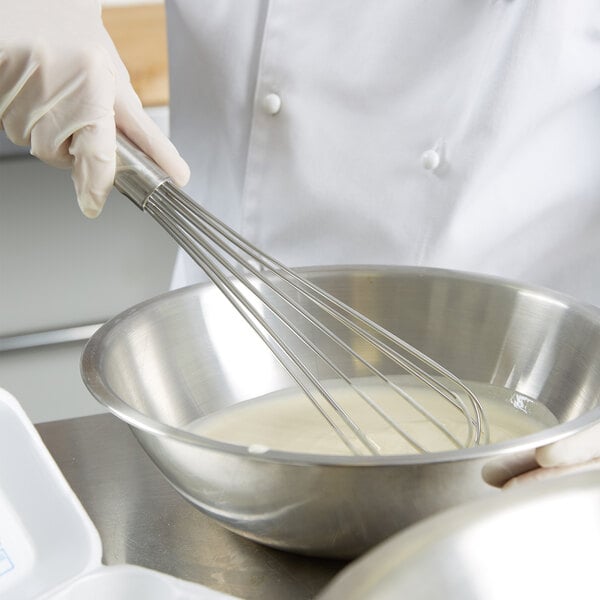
[430,160]
[340,180]
[272,104]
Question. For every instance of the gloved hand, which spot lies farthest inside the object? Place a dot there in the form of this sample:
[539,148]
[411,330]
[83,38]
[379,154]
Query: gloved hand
[579,452]
[63,88]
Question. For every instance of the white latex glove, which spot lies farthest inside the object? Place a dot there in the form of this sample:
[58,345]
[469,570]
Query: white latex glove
[579,452]
[62,89]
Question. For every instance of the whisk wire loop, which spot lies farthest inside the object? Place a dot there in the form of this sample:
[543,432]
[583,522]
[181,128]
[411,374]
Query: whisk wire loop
[276,344]
[187,221]
[241,271]
[168,204]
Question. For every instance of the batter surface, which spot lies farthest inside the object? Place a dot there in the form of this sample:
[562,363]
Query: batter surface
[287,420]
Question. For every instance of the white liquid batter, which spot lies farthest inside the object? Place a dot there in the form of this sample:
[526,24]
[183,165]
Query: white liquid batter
[287,420]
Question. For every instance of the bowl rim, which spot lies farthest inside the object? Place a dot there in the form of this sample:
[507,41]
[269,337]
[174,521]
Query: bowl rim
[136,419]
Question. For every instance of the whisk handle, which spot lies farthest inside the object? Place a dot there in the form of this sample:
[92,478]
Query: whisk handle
[137,176]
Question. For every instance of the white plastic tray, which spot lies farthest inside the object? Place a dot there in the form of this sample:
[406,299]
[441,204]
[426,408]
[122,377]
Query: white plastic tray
[49,547]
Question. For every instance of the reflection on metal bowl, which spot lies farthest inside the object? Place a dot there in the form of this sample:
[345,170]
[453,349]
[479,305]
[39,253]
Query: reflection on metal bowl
[169,361]
[535,541]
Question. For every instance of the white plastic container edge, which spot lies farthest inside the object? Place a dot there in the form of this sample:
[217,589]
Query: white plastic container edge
[49,547]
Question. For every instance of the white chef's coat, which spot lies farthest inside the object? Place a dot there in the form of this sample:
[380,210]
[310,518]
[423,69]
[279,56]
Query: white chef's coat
[459,133]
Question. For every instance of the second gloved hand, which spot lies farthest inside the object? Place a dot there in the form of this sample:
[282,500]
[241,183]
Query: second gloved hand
[64,89]
[579,452]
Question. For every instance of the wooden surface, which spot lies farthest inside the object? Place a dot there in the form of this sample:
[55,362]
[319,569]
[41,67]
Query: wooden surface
[140,35]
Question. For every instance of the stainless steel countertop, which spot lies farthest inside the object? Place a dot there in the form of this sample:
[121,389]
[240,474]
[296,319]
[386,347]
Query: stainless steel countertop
[143,521]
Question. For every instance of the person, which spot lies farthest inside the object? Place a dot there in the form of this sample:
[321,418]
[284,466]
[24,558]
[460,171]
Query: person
[452,134]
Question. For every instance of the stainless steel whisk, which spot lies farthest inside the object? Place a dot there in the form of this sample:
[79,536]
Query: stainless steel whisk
[239,269]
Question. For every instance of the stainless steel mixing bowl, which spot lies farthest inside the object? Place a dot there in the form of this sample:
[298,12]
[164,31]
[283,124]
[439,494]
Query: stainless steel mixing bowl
[176,358]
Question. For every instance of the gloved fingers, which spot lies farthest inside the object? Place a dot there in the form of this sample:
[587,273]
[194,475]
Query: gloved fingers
[93,149]
[68,119]
[577,448]
[55,96]
[85,101]
[133,121]
[138,127]
[551,472]
[19,91]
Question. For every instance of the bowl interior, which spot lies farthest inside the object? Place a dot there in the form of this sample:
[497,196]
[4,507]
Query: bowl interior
[187,354]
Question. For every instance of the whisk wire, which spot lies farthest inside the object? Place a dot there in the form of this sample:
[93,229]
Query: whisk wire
[239,270]
[184,220]
[164,207]
[208,223]
[191,232]
[275,343]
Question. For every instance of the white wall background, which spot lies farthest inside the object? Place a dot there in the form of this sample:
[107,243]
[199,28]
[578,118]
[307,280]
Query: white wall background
[59,270]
